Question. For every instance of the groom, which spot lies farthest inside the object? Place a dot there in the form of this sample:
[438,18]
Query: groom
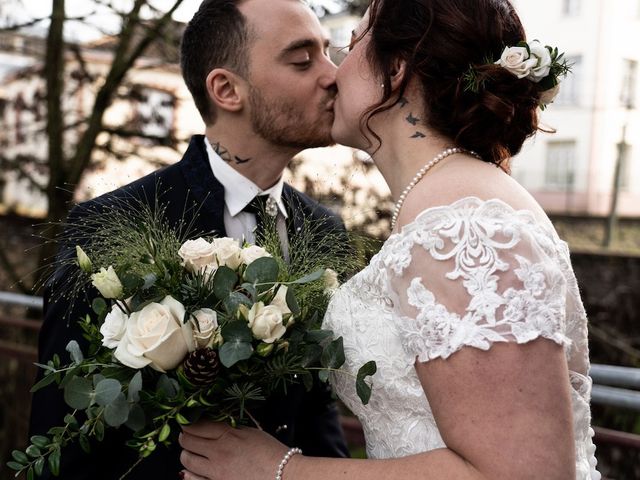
[261,78]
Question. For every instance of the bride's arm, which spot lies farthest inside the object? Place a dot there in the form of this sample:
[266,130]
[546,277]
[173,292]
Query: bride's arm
[504,413]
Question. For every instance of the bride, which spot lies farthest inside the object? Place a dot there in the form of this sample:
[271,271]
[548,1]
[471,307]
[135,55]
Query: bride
[471,308]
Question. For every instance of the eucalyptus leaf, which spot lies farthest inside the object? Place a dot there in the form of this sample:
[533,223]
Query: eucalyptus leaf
[99,430]
[97,378]
[84,443]
[233,302]
[312,277]
[168,387]
[137,419]
[292,301]
[323,375]
[224,282]
[333,354]
[99,306]
[311,355]
[234,351]
[363,389]
[107,391]
[262,270]
[78,393]
[237,343]
[47,380]
[74,350]
[117,412]
[135,385]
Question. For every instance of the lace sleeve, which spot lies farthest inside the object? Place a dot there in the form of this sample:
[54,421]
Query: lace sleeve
[473,274]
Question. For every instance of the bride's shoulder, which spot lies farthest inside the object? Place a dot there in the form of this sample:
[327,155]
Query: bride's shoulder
[465,189]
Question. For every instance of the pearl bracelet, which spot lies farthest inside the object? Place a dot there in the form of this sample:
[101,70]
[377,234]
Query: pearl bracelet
[285,460]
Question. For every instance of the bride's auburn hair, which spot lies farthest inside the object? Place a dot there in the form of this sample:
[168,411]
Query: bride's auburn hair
[440,40]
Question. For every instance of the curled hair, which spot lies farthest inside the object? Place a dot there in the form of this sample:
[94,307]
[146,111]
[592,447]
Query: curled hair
[217,36]
[439,41]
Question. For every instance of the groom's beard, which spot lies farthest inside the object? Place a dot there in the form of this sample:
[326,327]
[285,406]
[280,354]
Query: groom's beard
[287,123]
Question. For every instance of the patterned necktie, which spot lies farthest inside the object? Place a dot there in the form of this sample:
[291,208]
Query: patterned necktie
[265,209]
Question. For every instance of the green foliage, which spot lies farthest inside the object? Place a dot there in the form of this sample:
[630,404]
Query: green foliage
[142,249]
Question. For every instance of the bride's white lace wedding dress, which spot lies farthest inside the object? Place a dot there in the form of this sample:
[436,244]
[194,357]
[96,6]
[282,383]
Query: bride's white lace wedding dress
[468,274]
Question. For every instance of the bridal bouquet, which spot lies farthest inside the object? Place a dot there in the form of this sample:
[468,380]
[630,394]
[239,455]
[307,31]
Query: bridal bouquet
[183,328]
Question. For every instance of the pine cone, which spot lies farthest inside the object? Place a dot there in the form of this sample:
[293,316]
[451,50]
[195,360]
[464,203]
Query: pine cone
[201,367]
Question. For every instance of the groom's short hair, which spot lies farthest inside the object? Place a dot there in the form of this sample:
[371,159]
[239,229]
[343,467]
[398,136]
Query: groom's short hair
[217,36]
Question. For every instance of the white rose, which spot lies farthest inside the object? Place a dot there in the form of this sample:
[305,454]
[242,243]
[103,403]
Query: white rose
[543,61]
[107,283]
[228,252]
[83,260]
[156,336]
[113,328]
[266,322]
[548,96]
[204,323]
[331,282]
[197,254]
[516,60]
[280,301]
[252,253]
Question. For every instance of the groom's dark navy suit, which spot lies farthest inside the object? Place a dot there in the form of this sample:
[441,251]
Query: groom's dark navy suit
[308,420]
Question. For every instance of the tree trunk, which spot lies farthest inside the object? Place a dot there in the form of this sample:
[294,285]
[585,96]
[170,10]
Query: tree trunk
[57,198]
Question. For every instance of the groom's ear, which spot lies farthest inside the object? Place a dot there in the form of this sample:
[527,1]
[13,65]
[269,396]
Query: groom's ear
[225,89]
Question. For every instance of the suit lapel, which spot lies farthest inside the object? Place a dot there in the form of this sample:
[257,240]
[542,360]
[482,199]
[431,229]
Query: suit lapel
[205,192]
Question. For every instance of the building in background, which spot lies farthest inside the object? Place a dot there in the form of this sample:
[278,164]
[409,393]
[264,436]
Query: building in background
[572,171]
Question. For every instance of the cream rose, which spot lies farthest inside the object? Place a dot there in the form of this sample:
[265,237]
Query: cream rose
[266,322]
[156,336]
[113,328]
[252,253]
[107,283]
[228,252]
[543,61]
[516,60]
[198,255]
[204,323]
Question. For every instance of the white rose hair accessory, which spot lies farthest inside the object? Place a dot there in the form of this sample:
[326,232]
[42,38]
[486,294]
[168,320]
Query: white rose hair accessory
[532,61]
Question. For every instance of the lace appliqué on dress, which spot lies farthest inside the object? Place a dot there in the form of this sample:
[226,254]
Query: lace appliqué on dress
[508,297]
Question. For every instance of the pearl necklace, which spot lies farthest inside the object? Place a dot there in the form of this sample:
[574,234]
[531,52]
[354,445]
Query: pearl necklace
[421,173]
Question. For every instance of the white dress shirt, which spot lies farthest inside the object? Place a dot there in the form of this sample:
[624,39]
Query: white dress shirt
[239,191]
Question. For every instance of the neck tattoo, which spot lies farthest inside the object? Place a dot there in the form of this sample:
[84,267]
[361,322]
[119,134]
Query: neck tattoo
[226,155]
[421,173]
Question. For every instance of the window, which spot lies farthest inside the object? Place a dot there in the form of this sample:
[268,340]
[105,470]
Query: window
[629,83]
[571,8]
[570,86]
[560,165]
